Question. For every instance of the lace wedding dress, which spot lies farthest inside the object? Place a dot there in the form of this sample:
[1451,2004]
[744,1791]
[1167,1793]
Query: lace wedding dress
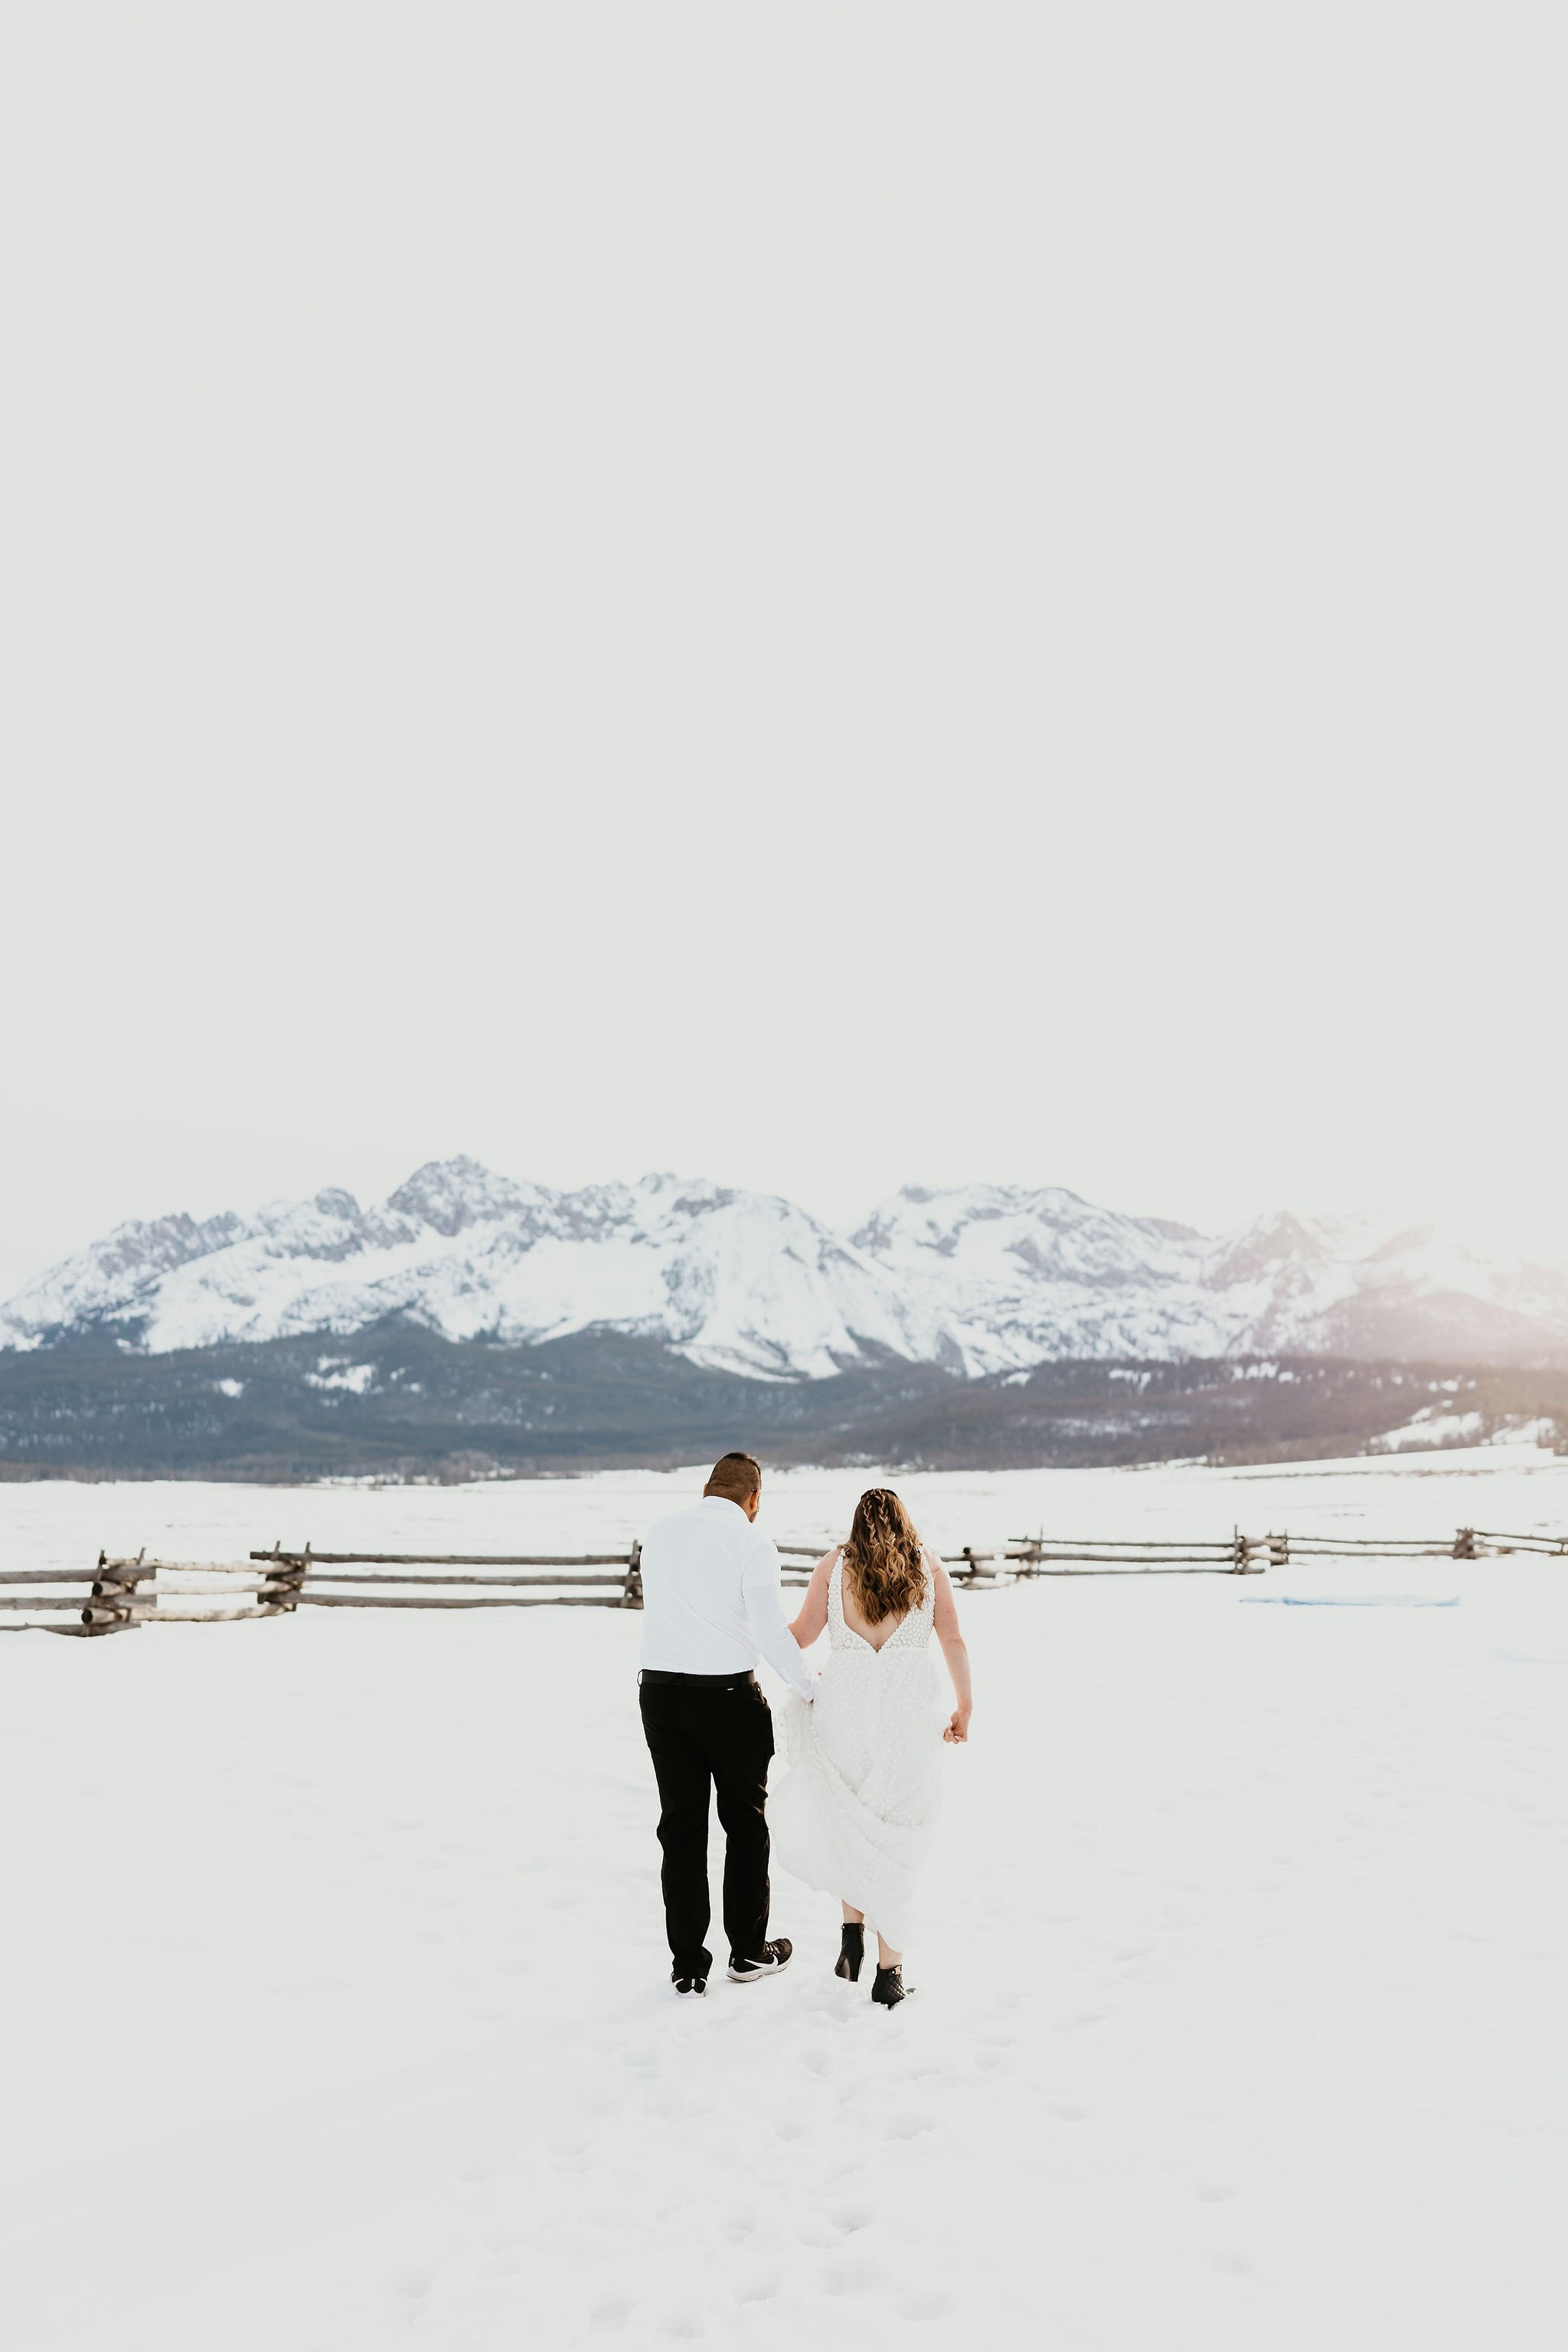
[853,1816]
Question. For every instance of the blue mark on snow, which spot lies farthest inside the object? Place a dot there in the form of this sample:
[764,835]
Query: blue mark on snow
[1357,1600]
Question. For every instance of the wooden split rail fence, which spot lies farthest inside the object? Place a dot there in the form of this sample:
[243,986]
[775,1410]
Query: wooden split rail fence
[1045,1555]
[119,1593]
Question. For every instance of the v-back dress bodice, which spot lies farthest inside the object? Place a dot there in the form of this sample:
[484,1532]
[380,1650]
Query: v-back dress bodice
[913,1632]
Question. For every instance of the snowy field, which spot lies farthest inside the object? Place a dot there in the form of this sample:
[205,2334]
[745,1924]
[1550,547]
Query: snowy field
[337,2000]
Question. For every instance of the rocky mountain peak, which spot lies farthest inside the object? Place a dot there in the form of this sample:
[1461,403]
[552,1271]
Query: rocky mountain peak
[976,1278]
[448,1195]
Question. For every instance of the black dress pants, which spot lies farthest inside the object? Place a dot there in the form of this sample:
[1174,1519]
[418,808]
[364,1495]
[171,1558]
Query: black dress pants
[703,1731]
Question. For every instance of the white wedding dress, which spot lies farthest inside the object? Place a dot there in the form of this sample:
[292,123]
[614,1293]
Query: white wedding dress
[854,1814]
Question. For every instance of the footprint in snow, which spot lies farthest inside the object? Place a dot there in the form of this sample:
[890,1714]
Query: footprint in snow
[850,2273]
[849,2218]
[990,2049]
[408,2280]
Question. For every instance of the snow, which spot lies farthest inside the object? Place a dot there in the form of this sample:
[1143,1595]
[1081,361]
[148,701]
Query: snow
[982,1277]
[337,1990]
[330,1372]
[1427,1428]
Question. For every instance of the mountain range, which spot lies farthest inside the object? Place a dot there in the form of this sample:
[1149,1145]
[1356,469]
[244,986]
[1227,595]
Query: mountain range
[978,1280]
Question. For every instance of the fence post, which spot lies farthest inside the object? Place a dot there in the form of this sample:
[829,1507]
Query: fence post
[288,1578]
[113,1593]
[631,1592]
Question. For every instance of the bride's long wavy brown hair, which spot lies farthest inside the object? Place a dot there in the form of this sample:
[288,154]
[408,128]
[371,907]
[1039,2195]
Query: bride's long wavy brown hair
[882,1558]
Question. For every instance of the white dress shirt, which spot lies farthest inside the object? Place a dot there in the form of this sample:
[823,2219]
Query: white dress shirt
[710,1597]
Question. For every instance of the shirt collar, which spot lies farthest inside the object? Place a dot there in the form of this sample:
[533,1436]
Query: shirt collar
[722,1503]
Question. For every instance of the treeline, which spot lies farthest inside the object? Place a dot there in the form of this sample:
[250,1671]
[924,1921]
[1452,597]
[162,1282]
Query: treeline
[402,1403]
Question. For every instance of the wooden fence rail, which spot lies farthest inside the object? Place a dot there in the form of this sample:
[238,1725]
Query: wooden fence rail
[1043,1555]
[615,1575]
[119,1593]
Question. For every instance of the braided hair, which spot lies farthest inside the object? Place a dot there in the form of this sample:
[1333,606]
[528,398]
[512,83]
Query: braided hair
[882,1558]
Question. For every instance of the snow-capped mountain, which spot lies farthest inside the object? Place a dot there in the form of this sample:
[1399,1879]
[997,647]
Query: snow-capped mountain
[980,1279]
[1016,1278]
[1362,1287]
[738,1281]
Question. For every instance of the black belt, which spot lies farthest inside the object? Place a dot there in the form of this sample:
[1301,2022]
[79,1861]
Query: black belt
[698,1682]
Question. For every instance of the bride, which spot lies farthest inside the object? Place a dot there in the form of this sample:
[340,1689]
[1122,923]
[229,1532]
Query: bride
[853,1816]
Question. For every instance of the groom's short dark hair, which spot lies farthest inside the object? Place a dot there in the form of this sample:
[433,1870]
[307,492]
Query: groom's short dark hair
[736,1474]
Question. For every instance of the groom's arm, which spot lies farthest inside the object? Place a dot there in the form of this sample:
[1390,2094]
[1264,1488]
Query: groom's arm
[765,1613]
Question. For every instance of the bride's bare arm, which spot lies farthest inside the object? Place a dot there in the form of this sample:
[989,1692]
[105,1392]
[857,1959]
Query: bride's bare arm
[953,1650]
[813,1618]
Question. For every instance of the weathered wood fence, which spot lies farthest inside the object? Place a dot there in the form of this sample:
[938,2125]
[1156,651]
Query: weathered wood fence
[1044,1555]
[122,1592]
[119,1593]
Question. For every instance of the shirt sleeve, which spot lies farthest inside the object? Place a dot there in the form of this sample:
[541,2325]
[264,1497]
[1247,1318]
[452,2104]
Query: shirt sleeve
[764,1614]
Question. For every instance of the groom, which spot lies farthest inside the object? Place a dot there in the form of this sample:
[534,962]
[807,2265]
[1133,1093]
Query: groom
[711,1602]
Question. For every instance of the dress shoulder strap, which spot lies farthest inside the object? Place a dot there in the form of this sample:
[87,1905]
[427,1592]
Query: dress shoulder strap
[930,1563]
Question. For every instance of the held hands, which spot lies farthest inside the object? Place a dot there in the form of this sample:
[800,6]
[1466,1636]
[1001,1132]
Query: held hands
[957,1731]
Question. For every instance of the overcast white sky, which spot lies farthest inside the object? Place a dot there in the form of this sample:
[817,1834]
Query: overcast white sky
[824,595]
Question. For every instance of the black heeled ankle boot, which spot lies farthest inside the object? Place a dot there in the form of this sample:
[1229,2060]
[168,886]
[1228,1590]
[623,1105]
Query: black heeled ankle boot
[888,1987]
[852,1951]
